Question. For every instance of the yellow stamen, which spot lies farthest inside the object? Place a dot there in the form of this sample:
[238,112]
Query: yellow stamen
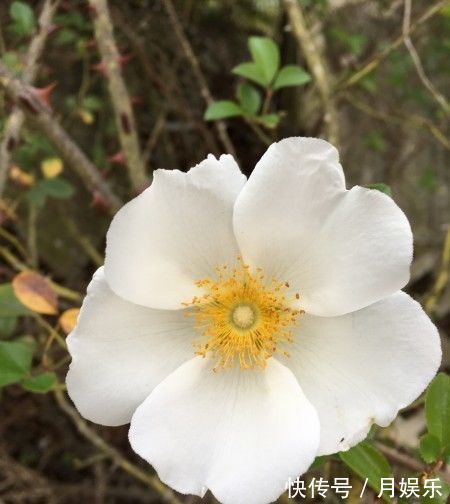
[242,319]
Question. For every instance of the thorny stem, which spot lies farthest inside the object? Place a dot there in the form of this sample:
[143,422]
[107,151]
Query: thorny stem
[316,64]
[123,111]
[42,117]
[440,99]
[373,63]
[13,126]
[204,89]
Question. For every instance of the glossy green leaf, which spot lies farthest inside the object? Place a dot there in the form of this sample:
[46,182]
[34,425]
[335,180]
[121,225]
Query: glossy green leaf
[384,188]
[10,306]
[23,16]
[222,109]
[41,383]
[249,97]
[437,409]
[250,71]
[291,75]
[266,55]
[367,462]
[430,448]
[15,361]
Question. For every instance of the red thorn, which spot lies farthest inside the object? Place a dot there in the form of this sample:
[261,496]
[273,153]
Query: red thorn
[90,44]
[100,68]
[136,100]
[43,94]
[92,9]
[117,158]
[52,27]
[98,201]
[124,59]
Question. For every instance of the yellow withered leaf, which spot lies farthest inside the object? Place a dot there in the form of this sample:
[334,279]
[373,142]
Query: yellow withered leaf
[68,319]
[21,177]
[35,292]
[51,167]
[86,116]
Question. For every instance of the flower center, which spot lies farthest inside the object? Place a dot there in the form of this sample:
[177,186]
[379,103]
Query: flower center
[242,318]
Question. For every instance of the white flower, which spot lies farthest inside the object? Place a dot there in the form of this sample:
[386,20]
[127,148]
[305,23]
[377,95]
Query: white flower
[245,327]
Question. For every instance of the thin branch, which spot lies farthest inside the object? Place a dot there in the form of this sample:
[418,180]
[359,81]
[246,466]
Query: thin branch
[415,121]
[204,89]
[316,64]
[18,265]
[411,463]
[89,434]
[373,62]
[123,111]
[442,278]
[41,116]
[440,99]
[15,120]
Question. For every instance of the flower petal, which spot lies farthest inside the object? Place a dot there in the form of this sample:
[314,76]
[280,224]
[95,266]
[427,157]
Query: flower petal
[362,368]
[340,250]
[120,352]
[174,233]
[240,434]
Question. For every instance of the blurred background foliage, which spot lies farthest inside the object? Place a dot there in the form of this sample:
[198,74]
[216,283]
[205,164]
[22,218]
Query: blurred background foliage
[185,78]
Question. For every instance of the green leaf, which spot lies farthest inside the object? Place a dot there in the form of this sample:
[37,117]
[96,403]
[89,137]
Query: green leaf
[222,109]
[53,187]
[10,306]
[384,188]
[291,75]
[23,16]
[250,71]
[92,102]
[367,462]
[7,326]
[269,120]
[40,384]
[441,493]
[430,448]
[58,188]
[249,97]
[15,361]
[437,409]
[266,55]
[318,462]
[65,36]
[376,141]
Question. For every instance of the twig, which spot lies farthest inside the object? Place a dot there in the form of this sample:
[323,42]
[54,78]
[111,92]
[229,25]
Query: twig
[440,99]
[317,66]
[204,89]
[442,277]
[82,240]
[15,120]
[373,62]
[411,463]
[412,120]
[154,136]
[123,111]
[41,116]
[112,453]
[18,265]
